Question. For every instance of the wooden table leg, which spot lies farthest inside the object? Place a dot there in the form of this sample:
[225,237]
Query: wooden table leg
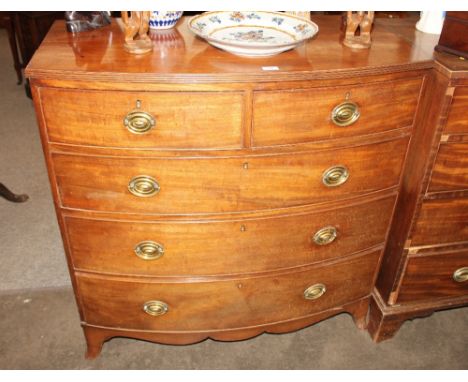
[8,195]
[8,23]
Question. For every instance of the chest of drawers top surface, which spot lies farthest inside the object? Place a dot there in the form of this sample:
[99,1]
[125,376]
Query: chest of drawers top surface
[182,57]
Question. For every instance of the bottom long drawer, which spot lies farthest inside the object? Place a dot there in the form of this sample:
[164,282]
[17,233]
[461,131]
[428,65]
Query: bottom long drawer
[148,304]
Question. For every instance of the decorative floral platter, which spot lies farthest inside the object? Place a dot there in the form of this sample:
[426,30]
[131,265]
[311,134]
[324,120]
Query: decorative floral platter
[253,34]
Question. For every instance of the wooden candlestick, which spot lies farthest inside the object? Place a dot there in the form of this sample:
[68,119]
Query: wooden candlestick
[136,28]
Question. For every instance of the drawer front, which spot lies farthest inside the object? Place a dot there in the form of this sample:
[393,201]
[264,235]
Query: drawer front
[433,276]
[227,304]
[450,171]
[181,120]
[226,247]
[201,185]
[286,117]
[442,221]
[457,122]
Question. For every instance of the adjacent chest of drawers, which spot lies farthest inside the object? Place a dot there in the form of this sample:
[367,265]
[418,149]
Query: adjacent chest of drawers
[200,196]
[426,260]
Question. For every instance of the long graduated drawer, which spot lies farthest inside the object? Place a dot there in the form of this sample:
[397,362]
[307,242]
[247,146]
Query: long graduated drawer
[218,184]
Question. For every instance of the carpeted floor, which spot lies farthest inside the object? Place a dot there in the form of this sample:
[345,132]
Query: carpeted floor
[31,251]
[39,324]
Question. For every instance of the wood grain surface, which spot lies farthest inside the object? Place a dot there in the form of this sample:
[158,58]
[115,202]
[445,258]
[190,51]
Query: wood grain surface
[235,303]
[431,276]
[450,171]
[442,222]
[183,120]
[100,56]
[421,153]
[227,246]
[457,122]
[198,185]
[97,335]
[305,115]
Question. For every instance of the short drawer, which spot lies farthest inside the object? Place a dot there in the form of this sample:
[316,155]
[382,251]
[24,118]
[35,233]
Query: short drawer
[442,221]
[227,304]
[297,116]
[219,184]
[226,247]
[457,122]
[183,120]
[435,276]
[450,171]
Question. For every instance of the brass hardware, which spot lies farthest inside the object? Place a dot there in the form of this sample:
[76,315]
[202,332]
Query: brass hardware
[246,165]
[345,114]
[149,250]
[242,228]
[138,121]
[335,176]
[314,292]
[461,275]
[325,235]
[155,308]
[143,186]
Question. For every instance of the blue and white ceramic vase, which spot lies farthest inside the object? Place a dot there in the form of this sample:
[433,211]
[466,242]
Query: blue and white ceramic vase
[164,19]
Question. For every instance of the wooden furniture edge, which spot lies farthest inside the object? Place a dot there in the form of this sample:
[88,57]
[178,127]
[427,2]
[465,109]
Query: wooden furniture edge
[385,320]
[424,144]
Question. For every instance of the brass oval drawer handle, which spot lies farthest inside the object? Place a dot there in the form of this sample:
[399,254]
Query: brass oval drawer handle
[139,122]
[149,250]
[155,308]
[335,176]
[314,292]
[143,186]
[461,275]
[325,235]
[345,114]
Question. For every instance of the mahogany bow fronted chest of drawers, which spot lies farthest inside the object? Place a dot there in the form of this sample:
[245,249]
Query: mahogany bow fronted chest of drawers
[204,195]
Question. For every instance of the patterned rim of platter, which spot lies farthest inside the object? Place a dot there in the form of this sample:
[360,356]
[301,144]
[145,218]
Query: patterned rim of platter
[253,34]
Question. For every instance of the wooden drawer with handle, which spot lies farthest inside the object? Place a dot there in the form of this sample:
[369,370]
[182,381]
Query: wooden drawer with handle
[175,120]
[457,122]
[147,304]
[435,276]
[216,185]
[442,221]
[450,172]
[187,248]
[297,116]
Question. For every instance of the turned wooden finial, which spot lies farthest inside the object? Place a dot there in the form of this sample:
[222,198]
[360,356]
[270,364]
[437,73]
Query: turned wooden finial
[136,28]
[362,20]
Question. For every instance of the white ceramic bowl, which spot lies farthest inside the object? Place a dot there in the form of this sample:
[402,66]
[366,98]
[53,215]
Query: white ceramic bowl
[252,34]
[164,19]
